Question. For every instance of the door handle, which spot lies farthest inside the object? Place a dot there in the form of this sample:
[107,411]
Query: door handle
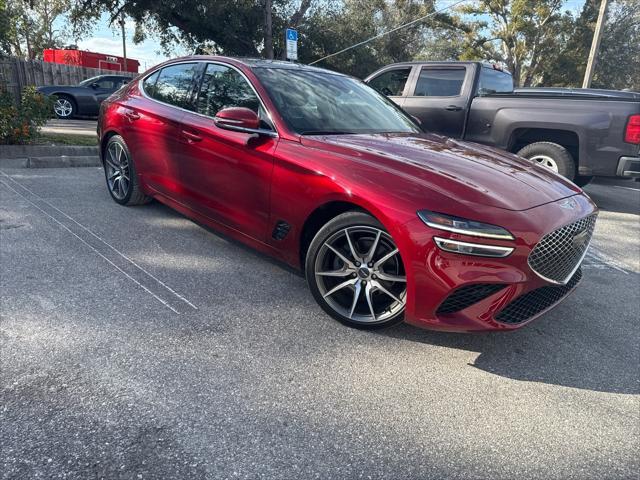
[131,115]
[191,137]
[453,108]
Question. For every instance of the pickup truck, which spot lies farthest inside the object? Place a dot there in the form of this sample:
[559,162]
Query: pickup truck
[578,133]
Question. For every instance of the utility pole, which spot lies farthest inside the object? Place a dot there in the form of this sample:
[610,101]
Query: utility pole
[595,45]
[124,43]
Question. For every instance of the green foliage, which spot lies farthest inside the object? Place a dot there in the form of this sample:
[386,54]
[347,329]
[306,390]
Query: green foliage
[27,27]
[20,124]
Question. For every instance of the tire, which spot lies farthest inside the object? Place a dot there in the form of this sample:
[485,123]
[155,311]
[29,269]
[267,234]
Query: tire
[364,290]
[551,155]
[120,173]
[65,107]
[583,180]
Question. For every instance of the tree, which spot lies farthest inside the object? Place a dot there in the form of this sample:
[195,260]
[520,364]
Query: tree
[232,27]
[338,25]
[28,27]
[619,56]
[517,33]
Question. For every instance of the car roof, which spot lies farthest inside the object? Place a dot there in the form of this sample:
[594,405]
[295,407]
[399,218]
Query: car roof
[253,63]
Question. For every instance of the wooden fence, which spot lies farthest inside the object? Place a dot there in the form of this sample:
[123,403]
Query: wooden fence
[16,74]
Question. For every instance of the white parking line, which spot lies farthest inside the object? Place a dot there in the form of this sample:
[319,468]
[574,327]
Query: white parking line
[129,260]
[599,260]
[628,188]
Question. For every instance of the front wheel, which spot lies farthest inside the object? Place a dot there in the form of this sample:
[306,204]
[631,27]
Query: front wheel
[355,272]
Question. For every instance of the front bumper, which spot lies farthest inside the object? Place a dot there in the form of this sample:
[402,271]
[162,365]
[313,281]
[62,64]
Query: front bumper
[453,292]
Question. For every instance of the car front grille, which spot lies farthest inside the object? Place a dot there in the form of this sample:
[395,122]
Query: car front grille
[466,296]
[530,304]
[559,253]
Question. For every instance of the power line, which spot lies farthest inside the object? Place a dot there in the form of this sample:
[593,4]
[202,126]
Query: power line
[390,31]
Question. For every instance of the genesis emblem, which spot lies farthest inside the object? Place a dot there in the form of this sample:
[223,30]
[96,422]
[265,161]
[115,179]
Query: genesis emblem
[579,239]
[568,204]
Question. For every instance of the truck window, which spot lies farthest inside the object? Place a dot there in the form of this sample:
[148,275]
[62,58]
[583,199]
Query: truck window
[494,81]
[440,82]
[391,83]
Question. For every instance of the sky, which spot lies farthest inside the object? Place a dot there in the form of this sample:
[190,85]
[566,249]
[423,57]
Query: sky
[109,41]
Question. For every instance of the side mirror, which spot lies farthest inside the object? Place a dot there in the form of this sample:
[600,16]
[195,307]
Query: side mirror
[237,118]
[417,120]
[95,86]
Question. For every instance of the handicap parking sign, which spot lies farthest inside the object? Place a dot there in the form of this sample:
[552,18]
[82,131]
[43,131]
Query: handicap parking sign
[292,44]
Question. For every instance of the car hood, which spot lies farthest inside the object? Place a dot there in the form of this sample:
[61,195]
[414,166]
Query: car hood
[468,172]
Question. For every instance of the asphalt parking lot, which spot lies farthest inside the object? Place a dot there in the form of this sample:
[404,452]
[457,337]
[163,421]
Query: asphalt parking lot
[138,344]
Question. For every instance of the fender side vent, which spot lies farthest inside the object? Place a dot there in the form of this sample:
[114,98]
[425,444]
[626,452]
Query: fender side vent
[280,230]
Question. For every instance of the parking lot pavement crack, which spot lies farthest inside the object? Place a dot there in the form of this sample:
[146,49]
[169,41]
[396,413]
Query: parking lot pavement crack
[145,280]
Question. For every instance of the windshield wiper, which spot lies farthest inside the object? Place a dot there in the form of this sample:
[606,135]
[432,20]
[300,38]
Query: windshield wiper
[326,132]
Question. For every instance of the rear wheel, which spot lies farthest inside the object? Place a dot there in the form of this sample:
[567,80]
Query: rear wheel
[355,272]
[122,179]
[64,107]
[551,155]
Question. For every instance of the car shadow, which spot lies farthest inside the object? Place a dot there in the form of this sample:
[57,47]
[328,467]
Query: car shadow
[575,345]
[542,353]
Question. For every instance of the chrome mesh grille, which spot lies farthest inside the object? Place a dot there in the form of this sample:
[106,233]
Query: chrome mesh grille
[558,254]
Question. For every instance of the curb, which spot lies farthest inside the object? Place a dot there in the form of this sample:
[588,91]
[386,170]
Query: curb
[62,161]
[44,156]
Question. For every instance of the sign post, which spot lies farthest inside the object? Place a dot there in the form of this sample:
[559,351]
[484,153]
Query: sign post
[291,37]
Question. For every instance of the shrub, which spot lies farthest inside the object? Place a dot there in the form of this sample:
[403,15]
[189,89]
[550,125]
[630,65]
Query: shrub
[20,124]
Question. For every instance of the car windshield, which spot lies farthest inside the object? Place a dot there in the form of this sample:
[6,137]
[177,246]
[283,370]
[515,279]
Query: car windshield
[89,81]
[315,102]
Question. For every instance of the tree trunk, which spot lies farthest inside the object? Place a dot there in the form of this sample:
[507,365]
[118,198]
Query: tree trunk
[268,29]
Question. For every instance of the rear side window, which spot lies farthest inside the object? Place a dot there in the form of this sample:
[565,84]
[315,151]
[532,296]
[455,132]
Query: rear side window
[440,82]
[173,85]
[224,87]
[391,83]
[494,81]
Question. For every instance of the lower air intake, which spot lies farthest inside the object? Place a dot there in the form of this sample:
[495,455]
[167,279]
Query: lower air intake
[466,296]
[534,302]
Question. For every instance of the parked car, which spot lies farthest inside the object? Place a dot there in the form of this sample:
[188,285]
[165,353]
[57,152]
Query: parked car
[578,133]
[322,172]
[85,98]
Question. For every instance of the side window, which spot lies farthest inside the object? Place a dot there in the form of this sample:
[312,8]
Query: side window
[149,84]
[107,83]
[391,83]
[440,82]
[224,87]
[494,81]
[174,85]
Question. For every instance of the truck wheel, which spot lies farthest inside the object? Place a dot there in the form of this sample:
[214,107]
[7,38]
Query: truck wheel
[552,156]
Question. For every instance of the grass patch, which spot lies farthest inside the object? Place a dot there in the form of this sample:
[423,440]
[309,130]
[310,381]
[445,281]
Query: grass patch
[66,139]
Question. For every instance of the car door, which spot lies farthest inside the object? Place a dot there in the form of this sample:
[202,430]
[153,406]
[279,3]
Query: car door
[438,99]
[153,129]
[392,83]
[227,174]
[101,89]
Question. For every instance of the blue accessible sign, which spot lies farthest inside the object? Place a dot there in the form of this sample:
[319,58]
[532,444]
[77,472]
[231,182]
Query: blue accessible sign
[292,44]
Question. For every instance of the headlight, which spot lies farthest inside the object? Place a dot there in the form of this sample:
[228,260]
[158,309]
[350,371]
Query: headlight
[466,248]
[463,226]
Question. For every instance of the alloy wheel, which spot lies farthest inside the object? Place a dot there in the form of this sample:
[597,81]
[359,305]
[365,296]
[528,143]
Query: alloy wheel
[359,273]
[118,171]
[63,107]
[547,161]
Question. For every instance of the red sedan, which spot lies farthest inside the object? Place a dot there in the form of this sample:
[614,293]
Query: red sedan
[317,169]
